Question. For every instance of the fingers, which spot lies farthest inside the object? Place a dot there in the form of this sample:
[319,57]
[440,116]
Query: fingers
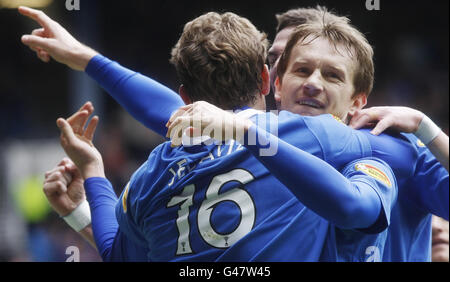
[79,118]
[382,125]
[176,128]
[67,134]
[43,56]
[36,15]
[87,107]
[39,32]
[360,120]
[56,180]
[35,42]
[90,130]
[77,121]
[181,111]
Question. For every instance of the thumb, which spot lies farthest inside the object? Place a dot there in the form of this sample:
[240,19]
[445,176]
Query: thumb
[66,130]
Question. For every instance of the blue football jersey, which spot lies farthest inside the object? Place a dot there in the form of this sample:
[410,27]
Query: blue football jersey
[216,202]
[423,190]
[423,183]
[364,245]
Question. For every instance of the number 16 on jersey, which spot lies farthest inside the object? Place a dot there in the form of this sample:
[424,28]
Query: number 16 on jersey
[240,197]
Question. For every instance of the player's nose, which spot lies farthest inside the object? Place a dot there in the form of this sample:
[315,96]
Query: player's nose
[313,85]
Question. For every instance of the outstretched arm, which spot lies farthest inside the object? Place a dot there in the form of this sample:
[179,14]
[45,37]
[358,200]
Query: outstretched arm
[406,120]
[148,101]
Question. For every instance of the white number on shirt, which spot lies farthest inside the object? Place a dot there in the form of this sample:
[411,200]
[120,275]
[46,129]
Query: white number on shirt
[238,196]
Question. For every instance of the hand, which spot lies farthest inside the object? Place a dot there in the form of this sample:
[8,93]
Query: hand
[52,40]
[77,142]
[63,187]
[400,118]
[204,119]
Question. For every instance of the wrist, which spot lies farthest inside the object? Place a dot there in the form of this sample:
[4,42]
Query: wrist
[80,217]
[82,56]
[427,130]
[65,211]
[93,170]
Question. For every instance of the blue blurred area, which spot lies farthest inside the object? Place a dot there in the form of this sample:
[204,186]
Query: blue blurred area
[411,57]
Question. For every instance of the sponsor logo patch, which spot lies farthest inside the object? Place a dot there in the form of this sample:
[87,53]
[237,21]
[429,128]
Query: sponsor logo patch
[374,172]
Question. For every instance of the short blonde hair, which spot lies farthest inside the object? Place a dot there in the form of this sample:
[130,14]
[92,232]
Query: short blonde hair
[337,32]
[219,58]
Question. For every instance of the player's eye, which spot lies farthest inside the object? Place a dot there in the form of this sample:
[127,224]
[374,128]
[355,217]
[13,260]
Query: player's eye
[303,71]
[333,75]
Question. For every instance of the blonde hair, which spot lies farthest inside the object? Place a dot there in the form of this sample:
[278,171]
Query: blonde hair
[337,31]
[219,58]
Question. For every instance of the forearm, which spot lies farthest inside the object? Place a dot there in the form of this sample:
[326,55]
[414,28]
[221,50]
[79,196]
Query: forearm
[87,234]
[102,201]
[148,101]
[440,147]
[318,185]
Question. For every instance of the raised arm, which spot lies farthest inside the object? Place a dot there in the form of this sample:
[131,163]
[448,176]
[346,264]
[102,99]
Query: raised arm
[77,143]
[148,101]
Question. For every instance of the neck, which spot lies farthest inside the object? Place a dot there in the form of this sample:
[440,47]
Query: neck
[260,103]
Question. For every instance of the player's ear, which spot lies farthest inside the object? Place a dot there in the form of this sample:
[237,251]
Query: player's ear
[277,90]
[265,75]
[359,101]
[184,95]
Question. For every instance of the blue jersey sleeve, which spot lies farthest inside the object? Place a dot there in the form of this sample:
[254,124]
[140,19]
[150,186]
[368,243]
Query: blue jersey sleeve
[425,180]
[375,174]
[102,201]
[430,184]
[323,136]
[148,101]
[347,203]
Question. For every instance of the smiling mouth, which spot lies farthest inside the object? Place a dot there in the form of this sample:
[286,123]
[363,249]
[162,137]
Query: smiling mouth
[436,242]
[311,103]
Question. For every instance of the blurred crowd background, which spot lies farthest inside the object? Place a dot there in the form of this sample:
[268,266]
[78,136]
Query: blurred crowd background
[411,45]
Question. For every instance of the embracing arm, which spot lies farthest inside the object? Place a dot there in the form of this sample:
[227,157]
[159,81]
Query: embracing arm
[348,202]
[440,147]
[406,120]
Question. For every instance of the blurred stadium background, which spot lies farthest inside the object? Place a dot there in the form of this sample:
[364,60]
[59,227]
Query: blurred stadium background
[411,57]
